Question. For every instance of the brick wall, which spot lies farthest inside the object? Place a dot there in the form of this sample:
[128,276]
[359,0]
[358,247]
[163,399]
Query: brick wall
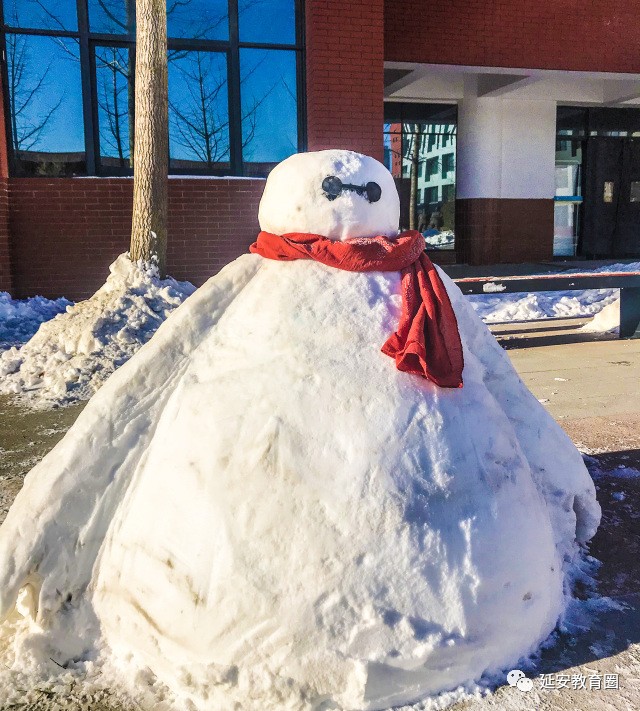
[5,257]
[66,232]
[344,42]
[600,35]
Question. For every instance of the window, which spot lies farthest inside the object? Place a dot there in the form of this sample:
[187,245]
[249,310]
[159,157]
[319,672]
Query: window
[414,146]
[448,192]
[431,195]
[448,164]
[235,72]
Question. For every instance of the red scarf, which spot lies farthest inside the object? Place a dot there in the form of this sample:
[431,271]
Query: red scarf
[427,342]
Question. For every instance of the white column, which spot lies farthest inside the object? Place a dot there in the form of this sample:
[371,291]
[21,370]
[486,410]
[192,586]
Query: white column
[505,147]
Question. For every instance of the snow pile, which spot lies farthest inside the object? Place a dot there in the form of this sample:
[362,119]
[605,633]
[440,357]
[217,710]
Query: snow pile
[20,319]
[259,511]
[605,321]
[439,240]
[71,355]
[502,308]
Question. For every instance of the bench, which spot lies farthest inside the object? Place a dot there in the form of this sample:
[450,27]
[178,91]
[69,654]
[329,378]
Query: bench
[627,282]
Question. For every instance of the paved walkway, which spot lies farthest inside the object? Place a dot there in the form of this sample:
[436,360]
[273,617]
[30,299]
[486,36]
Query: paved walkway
[592,388]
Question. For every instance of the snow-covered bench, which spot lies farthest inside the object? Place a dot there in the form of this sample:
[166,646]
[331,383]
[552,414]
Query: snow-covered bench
[627,282]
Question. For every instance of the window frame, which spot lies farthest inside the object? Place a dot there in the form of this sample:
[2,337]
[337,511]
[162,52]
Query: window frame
[89,41]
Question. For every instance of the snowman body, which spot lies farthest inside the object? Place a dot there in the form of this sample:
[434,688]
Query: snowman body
[272,516]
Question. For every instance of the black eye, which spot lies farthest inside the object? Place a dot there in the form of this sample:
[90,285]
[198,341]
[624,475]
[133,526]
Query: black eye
[332,187]
[374,192]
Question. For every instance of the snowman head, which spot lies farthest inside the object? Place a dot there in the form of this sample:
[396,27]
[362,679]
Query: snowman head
[337,194]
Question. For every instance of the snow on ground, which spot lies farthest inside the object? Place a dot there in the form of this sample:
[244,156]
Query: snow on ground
[502,308]
[439,240]
[20,319]
[72,354]
[605,321]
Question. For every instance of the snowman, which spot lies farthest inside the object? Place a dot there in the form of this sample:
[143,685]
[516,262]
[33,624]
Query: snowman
[321,485]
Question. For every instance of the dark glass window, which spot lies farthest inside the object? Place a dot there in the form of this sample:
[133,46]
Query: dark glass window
[45,104]
[234,83]
[198,19]
[198,111]
[112,17]
[114,88]
[54,15]
[268,87]
[272,22]
[448,164]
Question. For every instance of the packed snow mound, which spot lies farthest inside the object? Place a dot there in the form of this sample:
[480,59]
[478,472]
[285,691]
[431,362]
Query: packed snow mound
[503,308]
[72,355]
[605,321]
[21,318]
[263,511]
[294,199]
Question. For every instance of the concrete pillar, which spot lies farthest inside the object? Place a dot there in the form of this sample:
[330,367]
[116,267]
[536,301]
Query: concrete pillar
[505,179]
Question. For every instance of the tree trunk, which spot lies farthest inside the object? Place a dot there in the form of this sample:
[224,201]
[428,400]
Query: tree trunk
[415,164]
[151,155]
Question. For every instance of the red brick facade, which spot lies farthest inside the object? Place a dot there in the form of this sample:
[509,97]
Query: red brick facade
[546,34]
[66,232]
[5,256]
[345,75]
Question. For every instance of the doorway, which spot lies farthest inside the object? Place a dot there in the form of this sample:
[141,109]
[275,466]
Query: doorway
[612,198]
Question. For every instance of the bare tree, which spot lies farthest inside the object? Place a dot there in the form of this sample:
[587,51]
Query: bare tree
[113,100]
[151,155]
[25,88]
[200,120]
[201,124]
[416,150]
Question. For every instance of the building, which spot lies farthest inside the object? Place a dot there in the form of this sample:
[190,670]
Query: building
[522,121]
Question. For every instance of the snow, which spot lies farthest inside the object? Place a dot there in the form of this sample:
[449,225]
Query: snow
[502,308]
[436,239]
[293,199]
[493,288]
[259,511]
[605,321]
[20,319]
[72,354]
